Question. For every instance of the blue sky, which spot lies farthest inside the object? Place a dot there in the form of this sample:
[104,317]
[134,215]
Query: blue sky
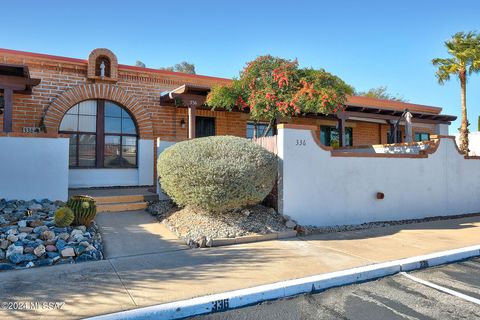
[367,43]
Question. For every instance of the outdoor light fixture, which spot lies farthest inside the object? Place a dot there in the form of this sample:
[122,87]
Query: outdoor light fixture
[182,123]
[2,104]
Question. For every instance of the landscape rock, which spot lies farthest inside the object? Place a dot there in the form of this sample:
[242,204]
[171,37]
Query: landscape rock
[290,224]
[68,252]
[47,235]
[12,238]
[39,251]
[22,223]
[28,237]
[35,206]
[50,248]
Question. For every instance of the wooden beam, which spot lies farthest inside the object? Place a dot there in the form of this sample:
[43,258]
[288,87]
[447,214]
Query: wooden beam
[8,109]
[391,117]
[341,128]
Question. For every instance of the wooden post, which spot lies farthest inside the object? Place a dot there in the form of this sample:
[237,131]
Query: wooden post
[341,129]
[8,109]
[192,114]
[393,133]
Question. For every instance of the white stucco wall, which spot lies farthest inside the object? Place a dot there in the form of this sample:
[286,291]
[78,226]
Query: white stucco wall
[143,176]
[33,168]
[161,146]
[318,189]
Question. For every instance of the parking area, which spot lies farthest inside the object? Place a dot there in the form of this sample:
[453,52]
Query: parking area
[446,292]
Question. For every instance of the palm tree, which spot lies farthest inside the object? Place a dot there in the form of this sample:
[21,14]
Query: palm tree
[462,48]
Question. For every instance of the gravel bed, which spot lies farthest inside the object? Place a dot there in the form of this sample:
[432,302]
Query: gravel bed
[198,228]
[29,238]
[305,230]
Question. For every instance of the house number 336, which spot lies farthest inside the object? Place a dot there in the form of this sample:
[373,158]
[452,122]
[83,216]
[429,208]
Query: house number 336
[301,142]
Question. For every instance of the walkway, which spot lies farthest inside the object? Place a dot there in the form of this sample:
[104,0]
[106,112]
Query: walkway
[126,281]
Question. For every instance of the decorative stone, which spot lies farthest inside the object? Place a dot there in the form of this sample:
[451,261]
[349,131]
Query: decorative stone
[60,244]
[50,248]
[28,250]
[12,238]
[6,266]
[25,229]
[18,257]
[44,262]
[63,236]
[30,265]
[82,228]
[22,223]
[2,254]
[40,229]
[290,224]
[202,242]
[47,235]
[36,223]
[76,232]
[68,252]
[4,244]
[35,206]
[39,251]
[22,235]
[246,212]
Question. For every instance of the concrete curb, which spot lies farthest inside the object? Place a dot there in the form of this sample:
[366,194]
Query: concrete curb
[253,238]
[244,297]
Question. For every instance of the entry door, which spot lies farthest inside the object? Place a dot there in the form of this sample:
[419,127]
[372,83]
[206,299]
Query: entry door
[204,127]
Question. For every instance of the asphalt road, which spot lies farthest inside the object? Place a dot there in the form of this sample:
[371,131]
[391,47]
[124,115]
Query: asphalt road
[395,297]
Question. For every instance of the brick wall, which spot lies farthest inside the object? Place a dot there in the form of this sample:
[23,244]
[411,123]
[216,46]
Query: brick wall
[66,81]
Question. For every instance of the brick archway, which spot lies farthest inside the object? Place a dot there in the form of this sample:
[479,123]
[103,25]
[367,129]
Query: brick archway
[69,98]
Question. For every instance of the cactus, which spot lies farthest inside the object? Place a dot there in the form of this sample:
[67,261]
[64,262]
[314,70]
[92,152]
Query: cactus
[84,209]
[63,217]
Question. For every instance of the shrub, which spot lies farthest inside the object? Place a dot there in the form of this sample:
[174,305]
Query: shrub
[217,173]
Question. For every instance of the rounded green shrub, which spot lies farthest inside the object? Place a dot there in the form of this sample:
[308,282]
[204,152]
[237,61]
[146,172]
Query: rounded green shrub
[217,173]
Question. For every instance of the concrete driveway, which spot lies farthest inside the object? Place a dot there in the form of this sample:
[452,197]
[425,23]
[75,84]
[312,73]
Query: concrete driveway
[128,280]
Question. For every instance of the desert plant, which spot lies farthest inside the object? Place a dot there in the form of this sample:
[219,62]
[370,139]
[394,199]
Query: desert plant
[217,173]
[84,209]
[63,217]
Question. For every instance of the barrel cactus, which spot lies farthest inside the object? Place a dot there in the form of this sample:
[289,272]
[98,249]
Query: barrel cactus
[84,209]
[63,217]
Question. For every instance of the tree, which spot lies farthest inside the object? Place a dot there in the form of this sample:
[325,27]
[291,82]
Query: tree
[462,48]
[140,64]
[183,66]
[272,88]
[381,93]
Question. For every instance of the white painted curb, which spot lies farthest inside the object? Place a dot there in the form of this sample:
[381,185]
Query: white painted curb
[244,297]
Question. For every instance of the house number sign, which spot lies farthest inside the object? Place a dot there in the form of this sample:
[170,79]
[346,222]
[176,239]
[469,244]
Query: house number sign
[220,305]
[301,142]
[31,129]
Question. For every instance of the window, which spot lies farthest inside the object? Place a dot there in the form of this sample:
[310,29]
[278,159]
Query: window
[261,127]
[102,135]
[204,127]
[422,136]
[329,136]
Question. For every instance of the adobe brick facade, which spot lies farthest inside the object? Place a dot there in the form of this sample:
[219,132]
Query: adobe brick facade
[67,81]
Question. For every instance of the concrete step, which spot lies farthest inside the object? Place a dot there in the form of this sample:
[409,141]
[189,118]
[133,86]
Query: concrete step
[122,206]
[119,199]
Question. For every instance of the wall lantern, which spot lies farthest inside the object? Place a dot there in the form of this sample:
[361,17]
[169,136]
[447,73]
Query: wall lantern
[2,104]
[182,123]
